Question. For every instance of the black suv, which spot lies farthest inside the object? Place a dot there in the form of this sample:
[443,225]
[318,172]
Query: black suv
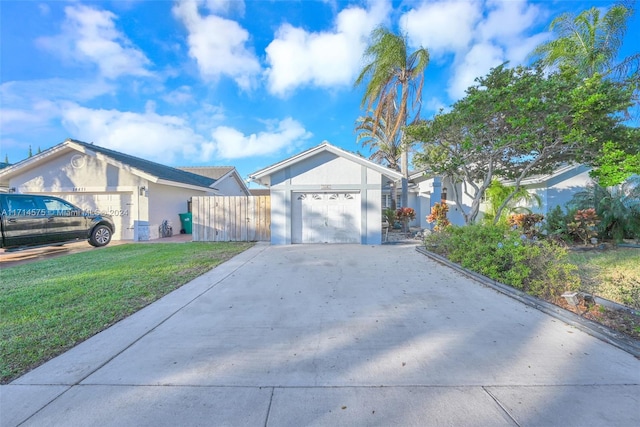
[35,220]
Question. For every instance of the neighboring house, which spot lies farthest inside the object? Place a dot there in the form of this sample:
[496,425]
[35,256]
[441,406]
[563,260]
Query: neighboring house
[259,191]
[228,180]
[555,189]
[4,188]
[326,195]
[139,194]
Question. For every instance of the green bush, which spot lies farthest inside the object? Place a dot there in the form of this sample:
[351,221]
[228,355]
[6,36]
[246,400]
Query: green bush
[556,224]
[539,268]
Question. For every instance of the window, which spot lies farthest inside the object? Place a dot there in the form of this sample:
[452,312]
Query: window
[58,205]
[19,204]
[386,201]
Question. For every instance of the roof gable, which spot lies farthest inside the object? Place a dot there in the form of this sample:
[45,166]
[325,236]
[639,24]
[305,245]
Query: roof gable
[215,172]
[158,170]
[263,176]
[155,172]
[219,173]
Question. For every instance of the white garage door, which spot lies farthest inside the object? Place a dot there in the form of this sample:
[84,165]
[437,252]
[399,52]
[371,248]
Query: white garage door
[118,205]
[325,218]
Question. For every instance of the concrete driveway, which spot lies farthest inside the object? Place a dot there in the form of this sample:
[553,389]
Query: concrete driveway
[333,335]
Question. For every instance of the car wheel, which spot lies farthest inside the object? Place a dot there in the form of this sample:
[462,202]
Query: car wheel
[100,236]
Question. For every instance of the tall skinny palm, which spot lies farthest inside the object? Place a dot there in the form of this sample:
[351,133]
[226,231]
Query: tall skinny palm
[377,134]
[590,42]
[394,77]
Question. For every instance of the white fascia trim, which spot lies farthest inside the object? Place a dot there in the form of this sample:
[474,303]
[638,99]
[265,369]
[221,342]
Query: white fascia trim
[544,178]
[325,146]
[31,161]
[113,162]
[187,186]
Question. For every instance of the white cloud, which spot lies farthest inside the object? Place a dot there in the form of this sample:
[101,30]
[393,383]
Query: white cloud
[226,6]
[179,96]
[89,35]
[24,92]
[478,34]
[149,135]
[297,57]
[218,45]
[165,138]
[230,143]
[38,115]
[476,63]
[442,27]
[435,104]
[24,105]
[507,20]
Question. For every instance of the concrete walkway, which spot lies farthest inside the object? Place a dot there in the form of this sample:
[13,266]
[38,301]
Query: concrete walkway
[329,336]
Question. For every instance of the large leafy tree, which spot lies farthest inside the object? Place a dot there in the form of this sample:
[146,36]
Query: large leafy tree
[518,122]
[590,42]
[394,79]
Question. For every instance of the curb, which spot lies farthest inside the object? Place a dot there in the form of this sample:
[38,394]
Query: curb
[594,329]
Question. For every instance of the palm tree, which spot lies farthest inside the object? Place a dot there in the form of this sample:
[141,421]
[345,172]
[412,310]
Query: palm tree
[395,77]
[618,208]
[590,42]
[501,205]
[385,145]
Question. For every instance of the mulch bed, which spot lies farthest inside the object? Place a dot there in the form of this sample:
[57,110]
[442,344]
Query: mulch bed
[619,320]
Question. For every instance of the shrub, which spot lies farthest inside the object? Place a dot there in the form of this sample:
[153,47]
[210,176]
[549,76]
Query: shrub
[389,215]
[439,216]
[529,224]
[584,225]
[405,214]
[618,208]
[555,225]
[538,268]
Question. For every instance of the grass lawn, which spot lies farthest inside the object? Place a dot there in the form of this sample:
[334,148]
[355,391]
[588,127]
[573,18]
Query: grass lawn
[49,306]
[612,274]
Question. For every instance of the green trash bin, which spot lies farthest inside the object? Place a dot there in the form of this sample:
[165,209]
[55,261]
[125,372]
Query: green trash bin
[186,223]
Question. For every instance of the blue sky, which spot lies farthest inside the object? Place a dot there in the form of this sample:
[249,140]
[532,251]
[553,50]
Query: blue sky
[242,83]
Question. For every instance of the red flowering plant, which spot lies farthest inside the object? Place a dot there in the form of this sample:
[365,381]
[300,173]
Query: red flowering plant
[439,216]
[528,223]
[405,214]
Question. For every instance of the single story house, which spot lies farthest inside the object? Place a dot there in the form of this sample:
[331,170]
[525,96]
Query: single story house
[325,195]
[554,189]
[138,193]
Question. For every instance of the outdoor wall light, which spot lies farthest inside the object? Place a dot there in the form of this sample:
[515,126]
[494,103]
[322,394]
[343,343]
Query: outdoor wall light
[143,191]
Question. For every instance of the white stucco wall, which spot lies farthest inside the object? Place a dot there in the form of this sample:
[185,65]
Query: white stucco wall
[165,203]
[326,172]
[87,176]
[60,174]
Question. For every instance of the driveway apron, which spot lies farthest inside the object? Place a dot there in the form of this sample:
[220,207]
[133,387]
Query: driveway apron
[332,335]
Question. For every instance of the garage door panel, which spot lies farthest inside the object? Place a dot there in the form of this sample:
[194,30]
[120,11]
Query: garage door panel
[326,218]
[118,205]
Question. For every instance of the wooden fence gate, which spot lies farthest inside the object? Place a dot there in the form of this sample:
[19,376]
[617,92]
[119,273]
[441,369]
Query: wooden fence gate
[231,218]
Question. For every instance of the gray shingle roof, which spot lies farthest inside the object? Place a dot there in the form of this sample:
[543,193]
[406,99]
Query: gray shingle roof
[215,172]
[167,173]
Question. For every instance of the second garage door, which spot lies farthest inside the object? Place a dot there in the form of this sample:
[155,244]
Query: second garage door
[118,205]
[325,218]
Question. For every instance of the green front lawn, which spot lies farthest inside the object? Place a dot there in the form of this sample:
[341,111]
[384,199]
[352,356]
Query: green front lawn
[47,307]
[612,274]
